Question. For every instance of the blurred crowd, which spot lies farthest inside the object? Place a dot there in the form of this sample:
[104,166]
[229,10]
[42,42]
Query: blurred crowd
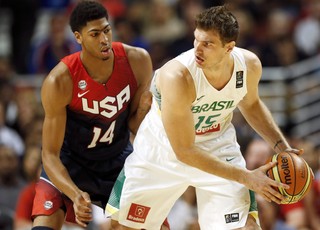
[279,32]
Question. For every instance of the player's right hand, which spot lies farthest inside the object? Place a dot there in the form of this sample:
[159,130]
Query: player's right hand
[258,181]
[82,209]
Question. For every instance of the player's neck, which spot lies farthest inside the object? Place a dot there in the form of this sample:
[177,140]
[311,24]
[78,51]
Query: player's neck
[98,69]
[219,74]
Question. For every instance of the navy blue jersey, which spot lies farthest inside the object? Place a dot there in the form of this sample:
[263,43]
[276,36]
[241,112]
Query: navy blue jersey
[97,126]
[96,141]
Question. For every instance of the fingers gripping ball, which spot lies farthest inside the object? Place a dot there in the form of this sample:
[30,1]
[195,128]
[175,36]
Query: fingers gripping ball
[293,171]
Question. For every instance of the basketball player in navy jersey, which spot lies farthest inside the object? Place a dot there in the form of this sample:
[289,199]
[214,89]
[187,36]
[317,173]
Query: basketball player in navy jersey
[187,138]
[92,100]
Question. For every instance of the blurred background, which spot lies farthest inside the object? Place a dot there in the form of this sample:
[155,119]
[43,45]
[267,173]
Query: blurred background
[35,35]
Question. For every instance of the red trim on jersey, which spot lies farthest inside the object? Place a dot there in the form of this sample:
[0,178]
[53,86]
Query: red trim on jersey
[49,199]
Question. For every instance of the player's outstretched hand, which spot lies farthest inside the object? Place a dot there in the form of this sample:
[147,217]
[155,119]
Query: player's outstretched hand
[258,181]
[82,209]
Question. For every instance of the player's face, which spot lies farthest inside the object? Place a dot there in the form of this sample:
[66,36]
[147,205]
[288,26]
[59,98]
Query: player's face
[208,48]
[96,39]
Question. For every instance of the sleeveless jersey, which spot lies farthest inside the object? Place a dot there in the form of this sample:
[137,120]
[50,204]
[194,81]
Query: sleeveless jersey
[212,109]
[97,116]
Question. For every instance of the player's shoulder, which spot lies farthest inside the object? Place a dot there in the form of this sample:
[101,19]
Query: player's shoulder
[175,70]
[59,75]
[134,52]
[253,62]
[139,57]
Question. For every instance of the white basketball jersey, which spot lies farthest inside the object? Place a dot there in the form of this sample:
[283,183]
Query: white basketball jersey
[212,109]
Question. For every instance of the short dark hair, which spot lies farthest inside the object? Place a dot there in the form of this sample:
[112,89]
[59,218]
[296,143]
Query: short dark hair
[221,20]
[84,12]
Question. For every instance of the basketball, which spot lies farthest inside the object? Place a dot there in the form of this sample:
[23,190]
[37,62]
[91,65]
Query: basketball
[294,171]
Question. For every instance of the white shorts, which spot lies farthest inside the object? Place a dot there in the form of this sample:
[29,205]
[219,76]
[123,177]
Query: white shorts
[155,179]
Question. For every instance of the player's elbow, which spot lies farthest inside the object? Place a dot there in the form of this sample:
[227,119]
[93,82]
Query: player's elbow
[183,155]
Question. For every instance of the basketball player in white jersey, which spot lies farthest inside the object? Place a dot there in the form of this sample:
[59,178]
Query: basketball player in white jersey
[187,138]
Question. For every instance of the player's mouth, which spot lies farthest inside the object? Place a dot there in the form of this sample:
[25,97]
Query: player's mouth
[199,60]
[106,51]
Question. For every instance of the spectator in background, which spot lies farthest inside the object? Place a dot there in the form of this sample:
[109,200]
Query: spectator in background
[28,108]
[307,29]
[31,162]
[163,24]
[129,33]
[7,98]
[278,25]
[116,8]
[8,136]
[7,90]
[34,127]
[6,70]
[11,184]
[47,52]
[247,36]
[188,10]
[257,153]
[31,166]
[24,19]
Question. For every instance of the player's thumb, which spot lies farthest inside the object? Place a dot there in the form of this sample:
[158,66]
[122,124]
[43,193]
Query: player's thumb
[268,166]
[86,197]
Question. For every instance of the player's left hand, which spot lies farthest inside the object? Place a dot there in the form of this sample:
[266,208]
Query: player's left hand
[82,209]
[298,152]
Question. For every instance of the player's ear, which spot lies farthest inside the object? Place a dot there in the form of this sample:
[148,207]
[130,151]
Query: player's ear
[229,46]
[78,37]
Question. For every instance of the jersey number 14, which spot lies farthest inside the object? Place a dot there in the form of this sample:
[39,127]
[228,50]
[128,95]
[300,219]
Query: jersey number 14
[107,137]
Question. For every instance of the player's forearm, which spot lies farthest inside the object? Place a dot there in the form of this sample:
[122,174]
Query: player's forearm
[260,119]
[142,109]
[136,119]
[209,163]
[59,175]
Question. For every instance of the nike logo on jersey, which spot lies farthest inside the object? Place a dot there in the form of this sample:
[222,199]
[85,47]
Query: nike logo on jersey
[230,159]
[199,98]
[82,94]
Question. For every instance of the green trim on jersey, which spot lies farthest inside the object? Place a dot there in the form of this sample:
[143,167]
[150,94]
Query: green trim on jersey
[113,204]
[253,202]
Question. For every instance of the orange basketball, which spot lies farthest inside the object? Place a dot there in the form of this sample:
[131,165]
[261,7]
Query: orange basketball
[293,171]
